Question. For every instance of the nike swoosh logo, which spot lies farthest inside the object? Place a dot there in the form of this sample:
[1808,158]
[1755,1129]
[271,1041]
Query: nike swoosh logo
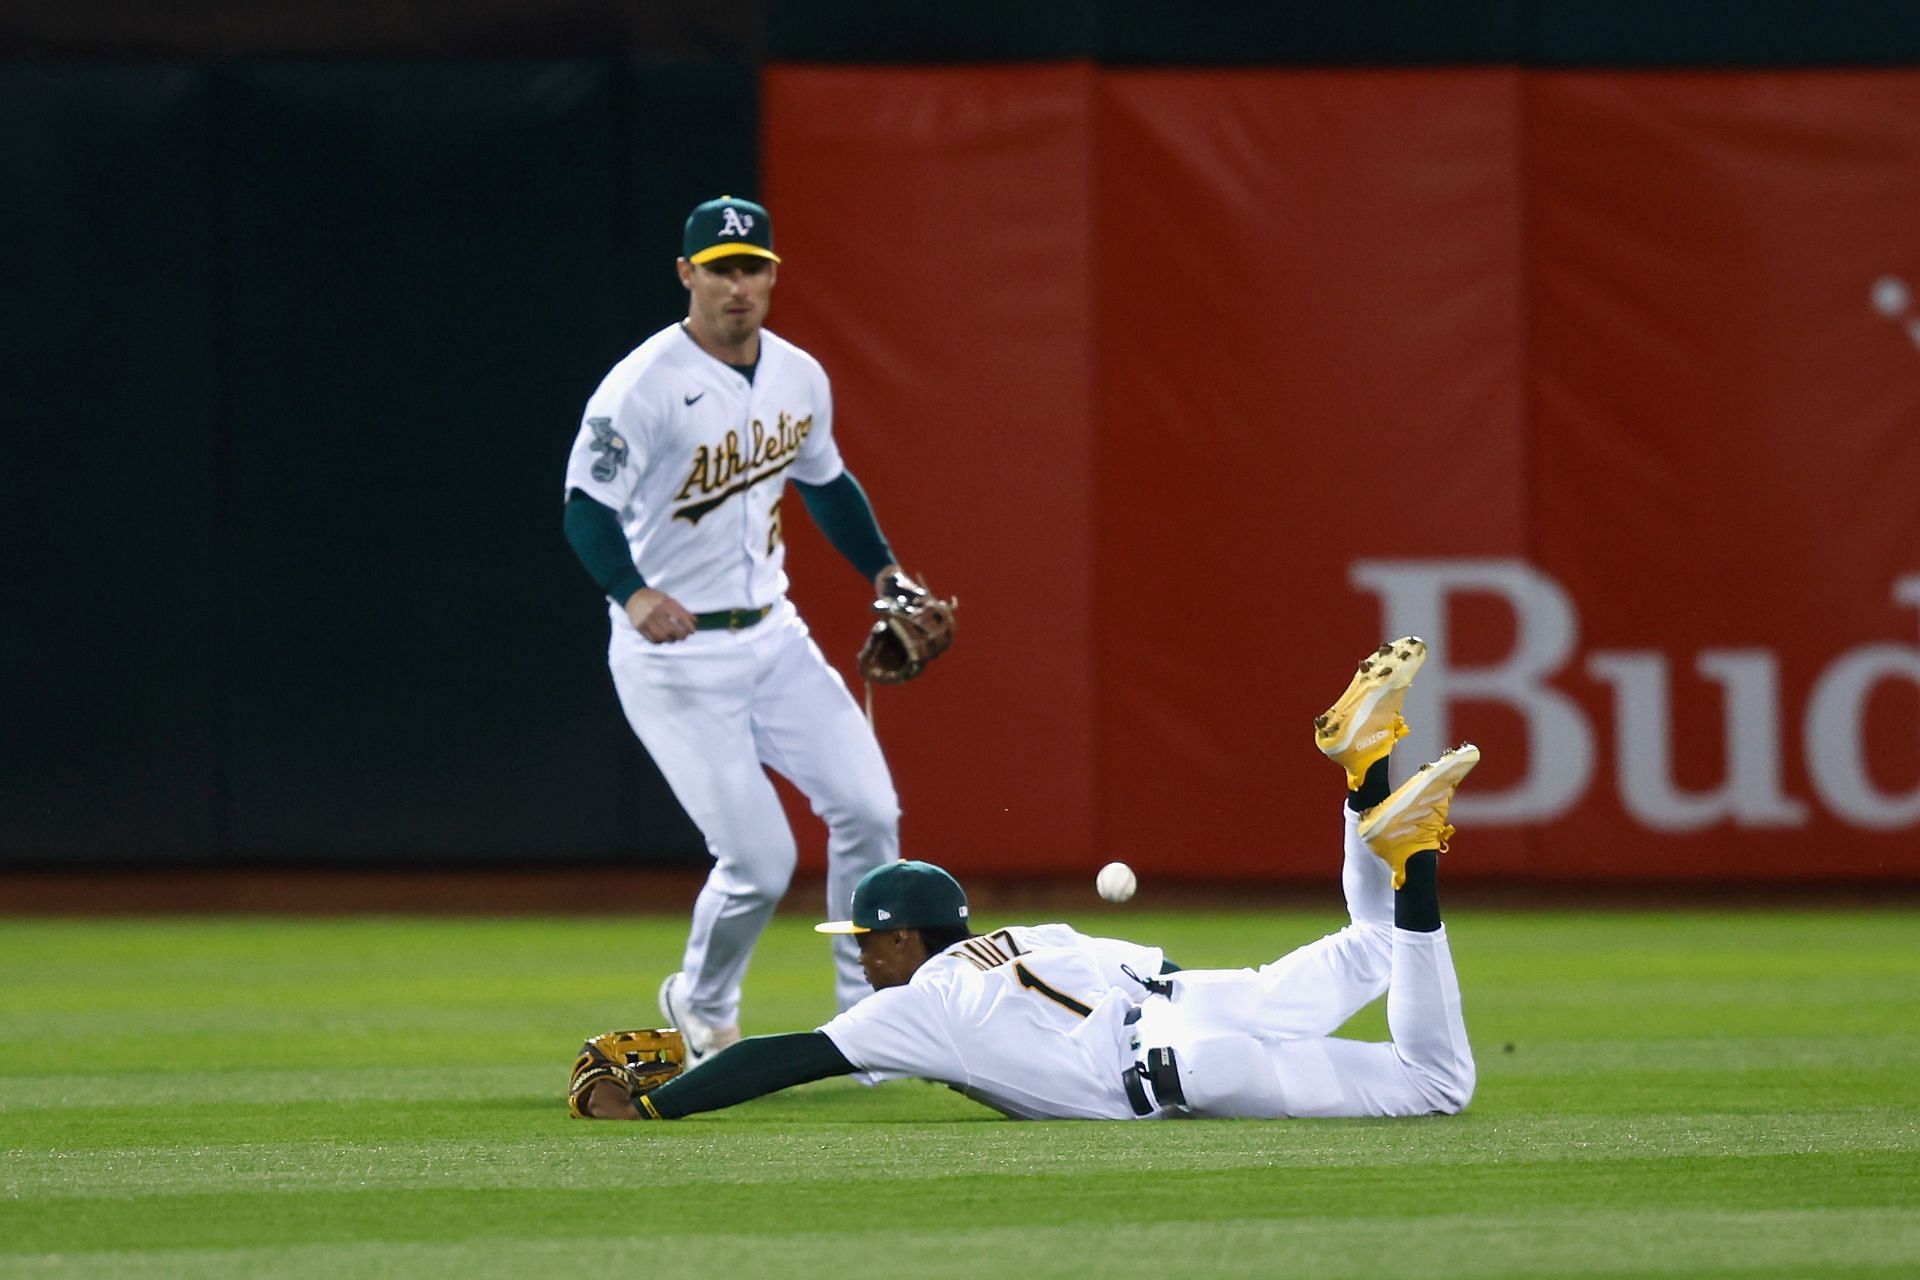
[691,399]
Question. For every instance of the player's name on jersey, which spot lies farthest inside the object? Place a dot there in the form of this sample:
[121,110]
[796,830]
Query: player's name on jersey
[724,469]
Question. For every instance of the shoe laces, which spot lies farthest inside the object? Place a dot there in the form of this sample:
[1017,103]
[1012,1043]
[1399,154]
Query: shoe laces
[1431,830]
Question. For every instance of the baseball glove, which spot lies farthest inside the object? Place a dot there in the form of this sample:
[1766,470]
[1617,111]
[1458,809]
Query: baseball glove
[914,627]
[638,1061]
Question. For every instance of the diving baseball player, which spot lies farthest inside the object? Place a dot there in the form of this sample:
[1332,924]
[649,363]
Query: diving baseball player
[674,505]
[1048,1023]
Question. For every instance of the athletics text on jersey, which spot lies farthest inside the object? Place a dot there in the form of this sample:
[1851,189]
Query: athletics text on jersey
[694,457]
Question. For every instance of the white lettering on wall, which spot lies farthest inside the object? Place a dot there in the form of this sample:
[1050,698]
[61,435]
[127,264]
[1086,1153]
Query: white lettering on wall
[1836,746]
[1752,793]
[1413,598]
[1560,748]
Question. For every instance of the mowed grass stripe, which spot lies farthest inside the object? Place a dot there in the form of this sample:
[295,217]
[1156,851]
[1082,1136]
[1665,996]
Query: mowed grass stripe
[1697,1243]
[824,1203]
[914,1154]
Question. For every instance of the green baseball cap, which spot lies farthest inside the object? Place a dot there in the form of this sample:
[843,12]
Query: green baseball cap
[725,227]
[903,895]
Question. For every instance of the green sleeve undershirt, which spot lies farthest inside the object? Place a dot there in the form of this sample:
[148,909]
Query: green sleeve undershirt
[594,532]
[841,509]
[757,1066]
[750,1069]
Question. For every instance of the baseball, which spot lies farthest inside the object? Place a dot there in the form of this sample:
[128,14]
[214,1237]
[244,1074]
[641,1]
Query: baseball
[1890,296]
[1116,882]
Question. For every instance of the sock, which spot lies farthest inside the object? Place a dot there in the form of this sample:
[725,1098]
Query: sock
[1416,907]
[1373,788]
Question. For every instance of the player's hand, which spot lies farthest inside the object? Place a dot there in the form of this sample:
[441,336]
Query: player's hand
[893,583]
[658,617]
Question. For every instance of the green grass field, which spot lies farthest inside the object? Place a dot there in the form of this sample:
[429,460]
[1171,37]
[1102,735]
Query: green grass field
[1661,1094]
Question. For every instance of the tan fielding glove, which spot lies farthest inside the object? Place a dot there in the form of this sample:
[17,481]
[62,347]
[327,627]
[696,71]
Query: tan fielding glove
[638,1061]
[914,627]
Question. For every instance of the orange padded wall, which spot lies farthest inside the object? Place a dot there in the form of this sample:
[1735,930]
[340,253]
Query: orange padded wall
[1308,323]
[1608,383]
[1726,461]
[933,231]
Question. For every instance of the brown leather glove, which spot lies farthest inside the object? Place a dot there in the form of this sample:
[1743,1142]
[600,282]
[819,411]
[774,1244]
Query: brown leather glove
[913,627]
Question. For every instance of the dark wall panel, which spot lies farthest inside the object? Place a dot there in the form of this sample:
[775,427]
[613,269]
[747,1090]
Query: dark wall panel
[691,133]
[295,354]
[1752,33]
[728,30]
[108,498]
[1309,32]
[1372,34]
[421,301]
[886,31]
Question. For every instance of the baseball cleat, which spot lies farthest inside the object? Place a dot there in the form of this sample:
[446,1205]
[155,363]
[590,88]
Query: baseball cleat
[1363,725]
[1414,817]
[703,1038]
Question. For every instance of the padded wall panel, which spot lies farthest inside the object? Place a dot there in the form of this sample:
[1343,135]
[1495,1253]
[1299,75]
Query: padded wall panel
[1726,456]
[109,500]
[1310,354]
[934,226]
[422,300]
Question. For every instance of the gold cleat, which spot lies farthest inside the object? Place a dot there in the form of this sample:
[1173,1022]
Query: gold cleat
[1414,817]
[1363,725]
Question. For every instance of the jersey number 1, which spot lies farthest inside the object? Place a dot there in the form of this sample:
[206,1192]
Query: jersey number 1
[1060,998]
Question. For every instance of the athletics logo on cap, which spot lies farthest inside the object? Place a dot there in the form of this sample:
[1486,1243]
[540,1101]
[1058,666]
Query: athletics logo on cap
[903,895]
[725,227]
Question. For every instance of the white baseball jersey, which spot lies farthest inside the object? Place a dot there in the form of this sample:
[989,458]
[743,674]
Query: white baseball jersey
[1028,1020]
[694,459]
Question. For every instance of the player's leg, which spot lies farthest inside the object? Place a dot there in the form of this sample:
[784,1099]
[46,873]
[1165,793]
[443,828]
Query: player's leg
[808,728]
[1428,1066]
[689,706]
[1312,990]
[1358,733]
[1408,831]
[1426,1069]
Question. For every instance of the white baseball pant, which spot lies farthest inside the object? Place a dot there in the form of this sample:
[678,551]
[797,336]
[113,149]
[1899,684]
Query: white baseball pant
[1259,1042]
[715,711]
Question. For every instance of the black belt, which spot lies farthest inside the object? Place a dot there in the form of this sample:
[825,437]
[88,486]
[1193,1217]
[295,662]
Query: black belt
[729,619]
[1162,1073]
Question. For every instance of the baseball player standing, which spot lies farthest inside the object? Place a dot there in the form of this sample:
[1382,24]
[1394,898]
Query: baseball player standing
[1048,1023]
[674,505]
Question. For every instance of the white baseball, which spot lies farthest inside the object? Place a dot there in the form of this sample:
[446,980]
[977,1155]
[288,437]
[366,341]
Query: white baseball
[1116,882]
[1890,297]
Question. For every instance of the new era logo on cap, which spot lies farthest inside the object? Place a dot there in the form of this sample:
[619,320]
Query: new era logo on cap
[885,914]
[727,227]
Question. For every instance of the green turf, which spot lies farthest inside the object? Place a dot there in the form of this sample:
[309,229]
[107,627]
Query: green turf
[1681,1094]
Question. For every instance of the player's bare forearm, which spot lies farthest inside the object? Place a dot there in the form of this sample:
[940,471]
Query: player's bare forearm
[750,1069]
